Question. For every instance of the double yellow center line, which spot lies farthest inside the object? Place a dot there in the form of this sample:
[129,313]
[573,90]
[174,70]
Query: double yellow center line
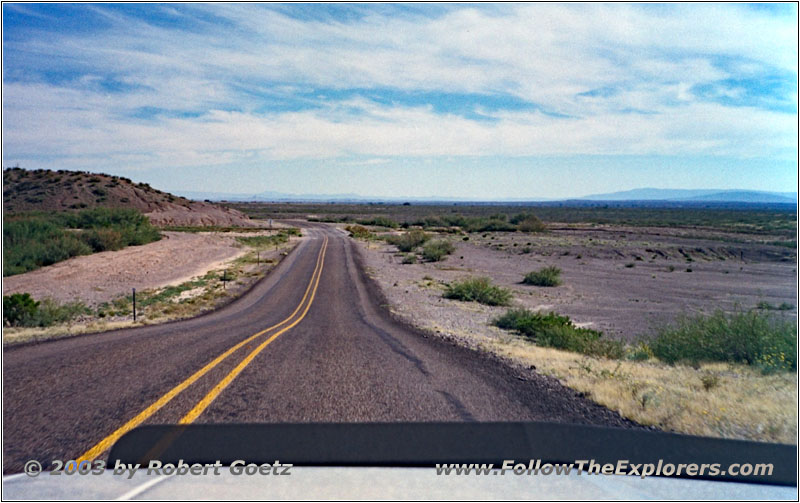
[310,293]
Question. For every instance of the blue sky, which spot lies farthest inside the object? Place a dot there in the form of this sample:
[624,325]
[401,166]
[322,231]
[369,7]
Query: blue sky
[479,101]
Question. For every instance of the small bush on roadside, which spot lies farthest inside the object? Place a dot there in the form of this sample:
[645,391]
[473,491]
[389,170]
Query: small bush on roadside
[746,337]
[51,312]
[546,276]
[709,381]
[18,308]
[408,241]
[434,251]
[478,290]
[358,231]
[262,242]
[556,331]
[641,352]
[21,310]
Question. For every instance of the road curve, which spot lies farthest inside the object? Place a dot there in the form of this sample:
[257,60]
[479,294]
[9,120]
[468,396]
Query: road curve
[309,343]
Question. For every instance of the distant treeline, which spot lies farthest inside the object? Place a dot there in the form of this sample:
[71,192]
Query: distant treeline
[33,240]
[525,222]
[752,218]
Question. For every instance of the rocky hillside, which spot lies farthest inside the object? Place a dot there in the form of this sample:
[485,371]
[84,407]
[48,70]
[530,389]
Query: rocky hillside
[45,190]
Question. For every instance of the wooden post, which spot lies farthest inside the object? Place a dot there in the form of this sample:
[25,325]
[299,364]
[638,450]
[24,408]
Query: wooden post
[224,278]
[134,304]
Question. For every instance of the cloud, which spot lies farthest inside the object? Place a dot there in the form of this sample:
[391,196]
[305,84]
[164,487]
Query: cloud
[200,84]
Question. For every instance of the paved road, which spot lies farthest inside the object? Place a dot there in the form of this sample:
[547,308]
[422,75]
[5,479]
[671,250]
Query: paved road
[309,343]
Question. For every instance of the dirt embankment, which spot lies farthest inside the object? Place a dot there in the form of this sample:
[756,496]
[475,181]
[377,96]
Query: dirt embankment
[101,277]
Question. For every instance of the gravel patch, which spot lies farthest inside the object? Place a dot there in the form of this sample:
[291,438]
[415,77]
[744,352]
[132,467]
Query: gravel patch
[624,282]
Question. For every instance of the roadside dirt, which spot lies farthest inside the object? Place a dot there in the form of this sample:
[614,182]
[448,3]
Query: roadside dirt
[623,281]
[606,287]
[101,277]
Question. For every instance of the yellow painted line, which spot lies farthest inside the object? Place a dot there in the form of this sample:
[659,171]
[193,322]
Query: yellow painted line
[216,390]
[108,441]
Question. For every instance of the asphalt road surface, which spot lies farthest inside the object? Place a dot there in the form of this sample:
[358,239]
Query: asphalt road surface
[309,343]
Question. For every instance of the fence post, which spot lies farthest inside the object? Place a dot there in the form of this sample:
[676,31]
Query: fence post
[134,304]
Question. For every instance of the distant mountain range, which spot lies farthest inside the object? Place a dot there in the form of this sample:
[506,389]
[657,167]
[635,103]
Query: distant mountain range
[270,196]
[645,194]
[696,195]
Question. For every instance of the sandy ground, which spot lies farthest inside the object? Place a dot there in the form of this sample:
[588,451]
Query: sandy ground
[624,282]
[598,290]
[101,277]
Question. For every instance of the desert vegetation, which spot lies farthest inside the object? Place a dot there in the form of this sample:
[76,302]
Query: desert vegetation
[434,251]
[270,241]
[742,219]
[728,372]
[21,310]
[480,290]
[546,276]
[359,232]
[408,241]
[750,337]
[33,240]
[556,331]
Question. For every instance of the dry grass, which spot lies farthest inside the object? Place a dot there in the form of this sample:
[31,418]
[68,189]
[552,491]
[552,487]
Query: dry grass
[714,400]
[21,335]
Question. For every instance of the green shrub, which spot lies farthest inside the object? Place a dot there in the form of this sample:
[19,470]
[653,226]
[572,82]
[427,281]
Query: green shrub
[262,242]
[410,259]
[531,224]
[34,240]
[103,239]
[556,331]
[478,290]
[358,231]
[51,312]
[408,241]
[546,276]
[492,224]
[18,308]
[434,251]
[641,352]
[747,337]
[379,222]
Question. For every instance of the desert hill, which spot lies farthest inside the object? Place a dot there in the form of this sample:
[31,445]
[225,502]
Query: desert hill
[46,190]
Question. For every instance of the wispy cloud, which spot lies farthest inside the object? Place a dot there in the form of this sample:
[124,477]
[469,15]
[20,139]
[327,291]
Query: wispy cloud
[204,85]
